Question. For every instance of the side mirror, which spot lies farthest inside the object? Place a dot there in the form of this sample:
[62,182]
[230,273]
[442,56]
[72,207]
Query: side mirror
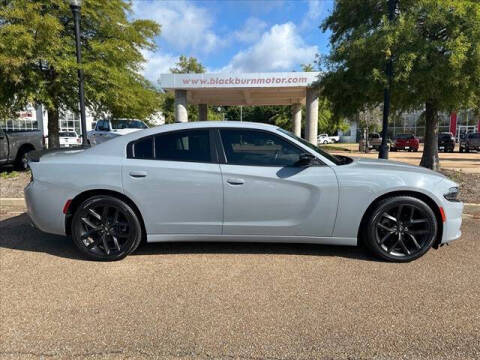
[305,160]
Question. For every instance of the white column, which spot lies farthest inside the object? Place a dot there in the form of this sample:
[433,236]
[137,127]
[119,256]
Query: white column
[311,128]
[297,119]
[202,112]
[181,114]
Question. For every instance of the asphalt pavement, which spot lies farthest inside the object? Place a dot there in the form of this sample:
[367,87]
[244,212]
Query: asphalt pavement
[235,301]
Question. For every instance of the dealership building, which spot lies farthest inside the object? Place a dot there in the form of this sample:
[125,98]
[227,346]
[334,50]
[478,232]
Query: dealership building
[296,89]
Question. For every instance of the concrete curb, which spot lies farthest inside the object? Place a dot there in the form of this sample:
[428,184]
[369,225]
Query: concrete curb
[12,202]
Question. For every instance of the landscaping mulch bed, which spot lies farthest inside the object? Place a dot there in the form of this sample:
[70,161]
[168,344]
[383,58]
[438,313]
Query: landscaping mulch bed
[469,185]
[12,183]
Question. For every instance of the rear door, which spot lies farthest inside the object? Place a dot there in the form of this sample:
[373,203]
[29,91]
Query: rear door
[175,180]
[101,131]
[265,193]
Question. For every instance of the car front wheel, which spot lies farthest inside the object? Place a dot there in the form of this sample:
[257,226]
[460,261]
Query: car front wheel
[401,229]
[106,228]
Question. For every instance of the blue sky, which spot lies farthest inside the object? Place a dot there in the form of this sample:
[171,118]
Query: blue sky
[236,35]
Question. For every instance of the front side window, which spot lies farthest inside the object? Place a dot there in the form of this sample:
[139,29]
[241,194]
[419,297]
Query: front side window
[258,148]
[192,145]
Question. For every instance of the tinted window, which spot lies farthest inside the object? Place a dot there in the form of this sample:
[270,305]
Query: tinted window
[102,125]
[128,124]
[143,148]
[193,145]
[258,148]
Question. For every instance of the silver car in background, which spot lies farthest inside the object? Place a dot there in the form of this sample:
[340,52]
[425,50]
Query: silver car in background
[229,181]
[111,128]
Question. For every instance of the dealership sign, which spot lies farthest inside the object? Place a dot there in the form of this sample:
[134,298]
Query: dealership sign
[250,80]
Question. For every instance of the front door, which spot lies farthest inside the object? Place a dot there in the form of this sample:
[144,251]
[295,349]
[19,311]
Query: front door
[265,193]
[174,180]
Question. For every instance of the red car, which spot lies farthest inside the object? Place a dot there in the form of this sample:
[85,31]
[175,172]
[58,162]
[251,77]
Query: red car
[406,142]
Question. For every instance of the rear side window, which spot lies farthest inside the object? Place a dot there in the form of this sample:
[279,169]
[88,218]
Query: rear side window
[191,145]
[141,149]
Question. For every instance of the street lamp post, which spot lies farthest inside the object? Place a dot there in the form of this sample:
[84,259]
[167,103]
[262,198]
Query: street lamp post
[75,5]
[383,151]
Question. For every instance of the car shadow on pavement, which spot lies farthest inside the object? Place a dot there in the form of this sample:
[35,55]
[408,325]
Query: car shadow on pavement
[16,233]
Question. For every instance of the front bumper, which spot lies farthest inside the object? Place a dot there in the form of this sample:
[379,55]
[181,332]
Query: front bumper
[453,222]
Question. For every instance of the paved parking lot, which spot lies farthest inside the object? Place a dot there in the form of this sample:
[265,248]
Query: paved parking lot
[235,301]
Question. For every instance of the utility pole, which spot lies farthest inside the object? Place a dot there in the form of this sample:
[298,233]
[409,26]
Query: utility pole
[241,112]
[383,152]
[75,5]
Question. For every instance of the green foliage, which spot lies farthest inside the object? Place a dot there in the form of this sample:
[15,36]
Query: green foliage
[38,62]
[435,48]
[188,65]
[8,174]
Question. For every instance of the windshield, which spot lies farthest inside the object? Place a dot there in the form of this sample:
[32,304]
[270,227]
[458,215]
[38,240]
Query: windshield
[337,160]
[403,136]
[67,134]
[128,124]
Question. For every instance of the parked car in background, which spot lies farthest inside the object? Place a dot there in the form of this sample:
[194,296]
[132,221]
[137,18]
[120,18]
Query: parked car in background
[109,129]
[374,141]
[16,144]
[406,142]
[471,141]
[446,142]
[69,139]
[237,181]
[326,139]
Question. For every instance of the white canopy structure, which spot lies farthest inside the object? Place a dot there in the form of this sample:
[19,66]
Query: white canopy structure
[284,88]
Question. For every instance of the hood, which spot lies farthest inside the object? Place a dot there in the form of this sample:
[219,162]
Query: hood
[388,165]
[125,131]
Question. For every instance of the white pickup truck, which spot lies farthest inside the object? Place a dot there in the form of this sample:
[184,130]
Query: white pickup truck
[325,139]
[16,144]
[109,129]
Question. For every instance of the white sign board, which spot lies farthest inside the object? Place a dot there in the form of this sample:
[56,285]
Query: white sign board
[250,80]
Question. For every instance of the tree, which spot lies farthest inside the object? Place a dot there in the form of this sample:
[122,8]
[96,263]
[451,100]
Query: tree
[38,63]
[185,65]
[435,47]
[188,65]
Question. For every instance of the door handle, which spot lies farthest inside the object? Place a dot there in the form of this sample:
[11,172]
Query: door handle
[233,181]
[138,174]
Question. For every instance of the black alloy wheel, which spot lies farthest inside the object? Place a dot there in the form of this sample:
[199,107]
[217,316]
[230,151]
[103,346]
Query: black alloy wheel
[106,228]
[401,229]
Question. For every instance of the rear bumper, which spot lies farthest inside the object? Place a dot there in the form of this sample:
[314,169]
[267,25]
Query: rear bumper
[44,210]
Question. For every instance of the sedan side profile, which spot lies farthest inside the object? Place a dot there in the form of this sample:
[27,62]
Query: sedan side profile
[229,181]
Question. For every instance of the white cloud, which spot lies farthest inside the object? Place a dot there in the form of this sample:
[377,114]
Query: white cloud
[279,49]
[312,17]
[184,25]
[156,64]
[251,31]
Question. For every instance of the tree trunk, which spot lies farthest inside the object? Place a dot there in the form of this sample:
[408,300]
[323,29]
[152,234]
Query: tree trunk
[430,151]
[53,128]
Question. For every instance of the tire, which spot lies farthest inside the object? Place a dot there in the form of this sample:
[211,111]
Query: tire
[415,150]
[467,149]
[105,228]
[325,142]
[407,238]
[21,162]
[460,149]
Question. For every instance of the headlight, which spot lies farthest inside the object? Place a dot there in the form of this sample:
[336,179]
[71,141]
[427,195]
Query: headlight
[452,194]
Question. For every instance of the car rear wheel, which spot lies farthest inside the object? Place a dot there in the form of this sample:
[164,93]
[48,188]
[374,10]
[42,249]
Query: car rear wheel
[105,228]
[401,229]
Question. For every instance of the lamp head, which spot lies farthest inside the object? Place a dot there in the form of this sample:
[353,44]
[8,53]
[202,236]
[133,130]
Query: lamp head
[75,3]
